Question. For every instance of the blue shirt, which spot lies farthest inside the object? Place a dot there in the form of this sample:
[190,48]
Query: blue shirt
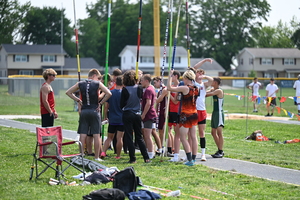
[115,111]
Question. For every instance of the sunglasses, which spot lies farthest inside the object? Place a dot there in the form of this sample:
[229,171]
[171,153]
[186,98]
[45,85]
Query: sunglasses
[52,75]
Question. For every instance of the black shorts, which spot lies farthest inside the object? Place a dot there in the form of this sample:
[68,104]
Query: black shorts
[273,101]
[114,128]
[89,122]
[173,117]
[47,120]
[202,122]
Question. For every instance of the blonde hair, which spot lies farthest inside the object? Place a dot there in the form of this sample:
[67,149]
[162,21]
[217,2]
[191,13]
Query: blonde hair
[47,72]
[189,74]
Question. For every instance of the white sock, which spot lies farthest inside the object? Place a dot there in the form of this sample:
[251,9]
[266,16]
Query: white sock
[176,155]
[150,154]
[203,151]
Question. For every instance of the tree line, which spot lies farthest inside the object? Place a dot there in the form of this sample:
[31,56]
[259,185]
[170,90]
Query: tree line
[218,29]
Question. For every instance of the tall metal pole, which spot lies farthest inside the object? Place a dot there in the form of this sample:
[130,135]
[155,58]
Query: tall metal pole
[61,39]
[138,41]
[77,45]
[187,33]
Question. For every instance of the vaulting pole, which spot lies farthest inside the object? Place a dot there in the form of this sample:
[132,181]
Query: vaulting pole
[172,67]
[187,33]
[106,56]
[163,71]
[77,46]
[176,35]
[138,41]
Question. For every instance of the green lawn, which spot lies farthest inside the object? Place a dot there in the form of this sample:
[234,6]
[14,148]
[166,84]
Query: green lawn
[17,146]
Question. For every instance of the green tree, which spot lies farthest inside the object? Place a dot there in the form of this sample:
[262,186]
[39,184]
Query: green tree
[11,19]
[43,26]
[221,28]
[124,27]
[275,36]
[296,38]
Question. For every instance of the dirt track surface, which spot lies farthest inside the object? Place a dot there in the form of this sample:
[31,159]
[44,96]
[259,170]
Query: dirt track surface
[229,116]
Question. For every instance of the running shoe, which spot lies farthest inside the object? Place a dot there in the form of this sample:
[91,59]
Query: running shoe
[203,158]
[189,163]
[98,159]
[103,155]
[174,160]
[218,155]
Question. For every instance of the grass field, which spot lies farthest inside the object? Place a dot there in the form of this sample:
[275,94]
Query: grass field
[17,146]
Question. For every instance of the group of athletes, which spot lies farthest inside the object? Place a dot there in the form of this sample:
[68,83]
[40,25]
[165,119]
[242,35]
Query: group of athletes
[134,111]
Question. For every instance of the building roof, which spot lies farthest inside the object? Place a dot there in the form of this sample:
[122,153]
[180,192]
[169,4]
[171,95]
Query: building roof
[273,52]
[149,50]
[33,49]
[208,66]
[85,63]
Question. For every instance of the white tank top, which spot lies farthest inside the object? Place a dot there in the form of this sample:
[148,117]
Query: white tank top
[200,103]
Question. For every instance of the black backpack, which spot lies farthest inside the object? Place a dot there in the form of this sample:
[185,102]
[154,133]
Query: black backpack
[126,180]
[105,194]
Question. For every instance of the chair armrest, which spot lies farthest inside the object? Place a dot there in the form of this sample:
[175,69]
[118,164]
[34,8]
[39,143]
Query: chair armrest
[67,143]
[44,144]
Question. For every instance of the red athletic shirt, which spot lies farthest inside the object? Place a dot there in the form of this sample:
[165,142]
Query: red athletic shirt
[173,107]
[51,102]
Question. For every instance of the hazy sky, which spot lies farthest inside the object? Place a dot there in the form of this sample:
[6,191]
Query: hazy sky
[280,9]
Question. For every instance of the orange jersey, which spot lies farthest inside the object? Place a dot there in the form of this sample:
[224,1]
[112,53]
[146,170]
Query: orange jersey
[189,100]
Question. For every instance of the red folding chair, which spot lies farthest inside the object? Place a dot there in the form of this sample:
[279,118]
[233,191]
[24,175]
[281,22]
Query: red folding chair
[49,151]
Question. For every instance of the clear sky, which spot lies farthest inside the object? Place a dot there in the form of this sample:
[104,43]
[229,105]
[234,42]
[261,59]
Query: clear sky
[280,9]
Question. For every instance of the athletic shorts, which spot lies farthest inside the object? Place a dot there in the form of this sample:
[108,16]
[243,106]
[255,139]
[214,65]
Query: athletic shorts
[89,122]
[201,116]
[47,120]
[273,101]
[148,124]
[161,121]
[173,119]
[217,119]
[188,120]
[114,128]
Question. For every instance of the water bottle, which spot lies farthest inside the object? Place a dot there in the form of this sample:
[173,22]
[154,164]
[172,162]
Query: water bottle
[179,96]
[175,193]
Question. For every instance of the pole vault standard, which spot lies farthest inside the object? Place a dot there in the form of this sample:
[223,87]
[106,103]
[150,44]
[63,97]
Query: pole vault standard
[138,41]
[163,69]
[76,37]
[187,32]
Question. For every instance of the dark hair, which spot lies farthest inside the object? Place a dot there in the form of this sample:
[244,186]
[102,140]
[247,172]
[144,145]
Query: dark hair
[271,79]
[218,80]
[119,80]
[117,72]
[177,73]
[255,78]
[129,78]
[157,78]
[108,77]
[192,69]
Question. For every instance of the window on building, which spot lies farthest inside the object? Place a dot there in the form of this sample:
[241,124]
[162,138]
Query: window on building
[250,61]
[132,59]
[26,72]
[124,59]
[48,58]
[270,75]
[241,61]
[21,58]
[147,59]
[266,61]
[176,60]
[289,61]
